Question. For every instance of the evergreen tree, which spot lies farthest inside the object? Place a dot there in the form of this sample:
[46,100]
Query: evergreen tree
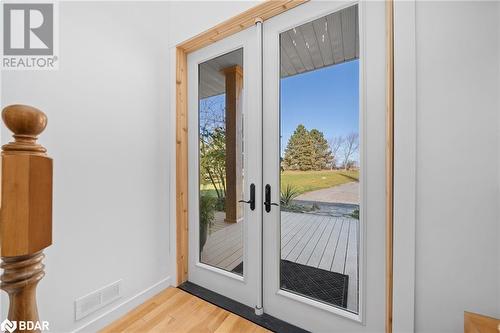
[300,152]
[322,150]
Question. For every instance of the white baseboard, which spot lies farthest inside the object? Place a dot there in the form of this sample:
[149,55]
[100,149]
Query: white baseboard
[121,309]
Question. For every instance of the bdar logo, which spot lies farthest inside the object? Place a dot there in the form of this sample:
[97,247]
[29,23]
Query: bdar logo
[8,326]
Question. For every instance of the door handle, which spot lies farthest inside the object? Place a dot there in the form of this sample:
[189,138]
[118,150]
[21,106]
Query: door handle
[252,197]
[267,202]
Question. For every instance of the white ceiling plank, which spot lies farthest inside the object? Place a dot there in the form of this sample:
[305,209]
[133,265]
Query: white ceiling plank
[331,39]
[299,45]
[312,44]
[323,41]
[289,48]
[287,68]
[349,32]
[335,33]
[212,80]
[326,41]
[357,31]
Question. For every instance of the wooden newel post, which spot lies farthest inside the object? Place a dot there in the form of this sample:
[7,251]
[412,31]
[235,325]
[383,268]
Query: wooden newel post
[26,210]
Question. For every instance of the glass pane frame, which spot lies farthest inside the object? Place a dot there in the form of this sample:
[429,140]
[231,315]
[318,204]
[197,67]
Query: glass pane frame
[361,121]
[235,55]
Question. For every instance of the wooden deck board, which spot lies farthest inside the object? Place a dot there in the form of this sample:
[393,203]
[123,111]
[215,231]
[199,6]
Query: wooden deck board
[229,261]
[212,254]
[351,266]
[286,235]
[308,250]
[331,246]
[305,240]
[318,252]
[338,263]
[212,247]
[287,245]
[289,225]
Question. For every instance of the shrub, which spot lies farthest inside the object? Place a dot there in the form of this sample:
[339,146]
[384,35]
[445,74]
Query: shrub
[288,194]
[220,204]
[355,214]
[207,215]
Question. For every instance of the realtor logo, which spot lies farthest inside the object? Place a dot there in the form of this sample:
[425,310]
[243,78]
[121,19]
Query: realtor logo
[28,29]
[29,35]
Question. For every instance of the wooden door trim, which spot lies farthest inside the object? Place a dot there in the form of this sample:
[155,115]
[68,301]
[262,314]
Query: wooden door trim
[265,11]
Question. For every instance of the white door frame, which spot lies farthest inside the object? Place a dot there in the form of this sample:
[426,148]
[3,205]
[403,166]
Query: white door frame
[404,220]
[405,147]
[285,305]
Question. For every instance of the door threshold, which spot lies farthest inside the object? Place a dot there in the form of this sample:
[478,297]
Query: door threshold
[242,310]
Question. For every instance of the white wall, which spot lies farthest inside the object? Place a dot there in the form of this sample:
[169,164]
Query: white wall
[111,133]
[498,150]
[457,222]
[108,134]
[498,160]
[189,18]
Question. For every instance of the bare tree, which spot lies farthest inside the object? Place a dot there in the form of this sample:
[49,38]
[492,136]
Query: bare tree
[212,114]
[335,144]
[351,146]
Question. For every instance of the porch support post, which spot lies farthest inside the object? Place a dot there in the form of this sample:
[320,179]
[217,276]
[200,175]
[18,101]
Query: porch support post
[234,165]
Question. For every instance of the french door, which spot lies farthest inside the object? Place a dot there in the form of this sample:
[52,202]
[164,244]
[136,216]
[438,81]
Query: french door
[225,167]
[324,80]
[287,166]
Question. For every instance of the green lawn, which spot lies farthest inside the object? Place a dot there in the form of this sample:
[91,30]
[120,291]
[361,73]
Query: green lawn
[306,181]
[208,190]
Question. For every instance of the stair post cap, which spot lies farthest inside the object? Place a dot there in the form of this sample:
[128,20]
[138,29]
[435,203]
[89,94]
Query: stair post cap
[26,122]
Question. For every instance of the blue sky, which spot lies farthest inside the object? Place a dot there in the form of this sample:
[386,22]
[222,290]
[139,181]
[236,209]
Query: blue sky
[325,99]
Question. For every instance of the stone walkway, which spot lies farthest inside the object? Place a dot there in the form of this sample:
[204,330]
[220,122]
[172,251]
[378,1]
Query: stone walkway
[345,194]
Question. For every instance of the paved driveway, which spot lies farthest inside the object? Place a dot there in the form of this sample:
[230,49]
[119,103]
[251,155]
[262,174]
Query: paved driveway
[346,193]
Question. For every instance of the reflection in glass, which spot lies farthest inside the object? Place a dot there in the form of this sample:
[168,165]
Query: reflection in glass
[221,161]
[319,109]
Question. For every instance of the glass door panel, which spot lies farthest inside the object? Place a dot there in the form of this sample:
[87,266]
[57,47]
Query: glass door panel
[319,153]
[221,159]
[224,169]
[324,163]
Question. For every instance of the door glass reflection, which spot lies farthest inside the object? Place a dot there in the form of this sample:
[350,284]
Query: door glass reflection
[320,164]
[221,161]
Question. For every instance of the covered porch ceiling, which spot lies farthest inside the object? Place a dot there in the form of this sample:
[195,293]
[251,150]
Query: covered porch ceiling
[327,41]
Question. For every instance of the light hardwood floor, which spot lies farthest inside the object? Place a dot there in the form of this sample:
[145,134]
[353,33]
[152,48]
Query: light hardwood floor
[174,310]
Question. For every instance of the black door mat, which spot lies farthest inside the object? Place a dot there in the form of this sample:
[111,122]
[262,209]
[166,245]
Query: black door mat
[326,286]
[238,269]
[242,310]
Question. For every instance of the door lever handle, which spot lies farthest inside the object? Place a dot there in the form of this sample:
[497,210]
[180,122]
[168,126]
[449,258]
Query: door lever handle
[267,202]
[252,197]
